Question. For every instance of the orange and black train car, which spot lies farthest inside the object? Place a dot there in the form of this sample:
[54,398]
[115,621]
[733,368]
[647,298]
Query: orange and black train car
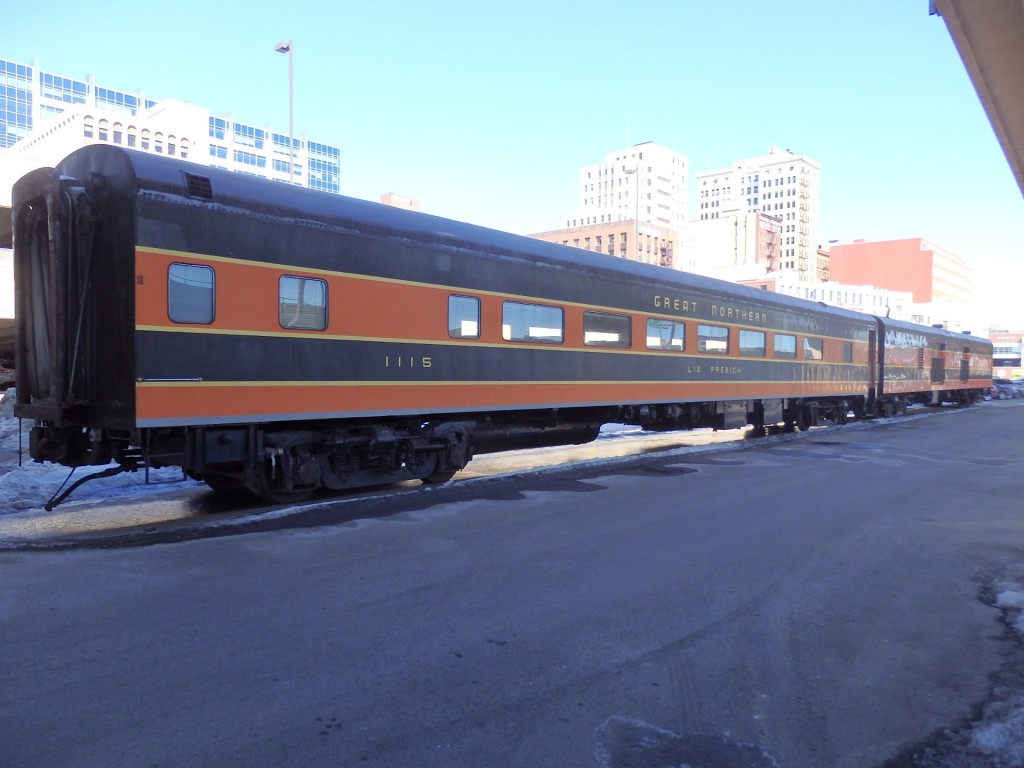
[265,336]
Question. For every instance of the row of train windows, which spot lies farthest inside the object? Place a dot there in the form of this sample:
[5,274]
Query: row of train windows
[302,305]
[302,301]
[545,324]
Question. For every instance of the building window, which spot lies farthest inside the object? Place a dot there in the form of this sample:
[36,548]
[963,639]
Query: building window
[464,317]
[250,137]
[248,158]
[302,303]
[218,128]
[190,294]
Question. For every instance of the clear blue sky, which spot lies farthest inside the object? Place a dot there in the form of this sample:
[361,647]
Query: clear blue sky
[486,111]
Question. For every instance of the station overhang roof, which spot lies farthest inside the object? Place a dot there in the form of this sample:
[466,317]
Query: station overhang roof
[989,36]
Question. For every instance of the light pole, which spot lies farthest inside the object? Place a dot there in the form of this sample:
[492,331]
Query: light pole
[287,48]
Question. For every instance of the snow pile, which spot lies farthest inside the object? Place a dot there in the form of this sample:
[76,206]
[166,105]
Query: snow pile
[1000,734]
[1002,740]
[1011,602]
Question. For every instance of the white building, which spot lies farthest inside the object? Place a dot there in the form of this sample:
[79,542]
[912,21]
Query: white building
[49,116]
[781,184]
[735,245]
[647,183]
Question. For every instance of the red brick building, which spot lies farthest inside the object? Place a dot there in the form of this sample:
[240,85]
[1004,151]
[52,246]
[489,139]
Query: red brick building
[931,274]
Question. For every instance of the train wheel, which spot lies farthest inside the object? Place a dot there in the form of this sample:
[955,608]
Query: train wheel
[272,488]
[438,477]
[803,419]
[421,465]
[224,483]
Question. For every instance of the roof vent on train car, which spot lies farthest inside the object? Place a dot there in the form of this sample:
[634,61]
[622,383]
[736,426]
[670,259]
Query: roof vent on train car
[199,186]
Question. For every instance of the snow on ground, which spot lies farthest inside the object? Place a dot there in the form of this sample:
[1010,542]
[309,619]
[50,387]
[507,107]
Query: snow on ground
[26,485]
[1000,734]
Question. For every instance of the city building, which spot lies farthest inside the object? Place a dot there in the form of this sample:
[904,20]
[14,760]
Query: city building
[869,299]
[396,200]
[781,184]
[940,282]
[647,183]
[628,239]
[1006,352]
[633,206]
[49,115]
[736,245]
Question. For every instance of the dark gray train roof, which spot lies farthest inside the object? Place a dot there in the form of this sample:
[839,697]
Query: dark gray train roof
[164,174]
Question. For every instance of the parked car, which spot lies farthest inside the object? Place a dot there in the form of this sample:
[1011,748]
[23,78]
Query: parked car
[1004,389]
[6,375]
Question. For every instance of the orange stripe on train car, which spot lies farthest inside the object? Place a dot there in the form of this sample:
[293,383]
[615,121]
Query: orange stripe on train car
[156,402]
[367,307]
[248,298]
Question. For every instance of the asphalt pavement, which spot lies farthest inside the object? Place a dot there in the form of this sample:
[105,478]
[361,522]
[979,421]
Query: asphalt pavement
[824,600]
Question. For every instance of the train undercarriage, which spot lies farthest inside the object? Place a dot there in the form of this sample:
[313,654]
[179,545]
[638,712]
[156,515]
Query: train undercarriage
[284,463]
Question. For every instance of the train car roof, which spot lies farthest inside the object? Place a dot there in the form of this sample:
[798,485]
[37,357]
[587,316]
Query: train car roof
[161,174]
[889,323]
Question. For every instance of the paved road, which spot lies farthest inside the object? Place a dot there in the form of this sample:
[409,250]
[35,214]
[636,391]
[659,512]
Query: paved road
[801,603]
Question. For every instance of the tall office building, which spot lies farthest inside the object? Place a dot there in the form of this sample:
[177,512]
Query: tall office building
[647,183]
[45,116]
[781,184]
[633,205]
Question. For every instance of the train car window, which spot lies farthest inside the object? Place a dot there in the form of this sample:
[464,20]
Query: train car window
[464,317]
[532,322]
[713,339]
[847,351]
[666,334]
[752,343]
[603,329]
[190,294]
[813,348]
[785,346]
[302,303]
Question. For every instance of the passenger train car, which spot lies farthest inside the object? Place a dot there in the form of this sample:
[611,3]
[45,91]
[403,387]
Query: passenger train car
[264,336]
